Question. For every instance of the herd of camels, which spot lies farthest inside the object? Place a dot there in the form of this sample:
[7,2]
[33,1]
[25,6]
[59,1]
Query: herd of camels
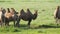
[10,14]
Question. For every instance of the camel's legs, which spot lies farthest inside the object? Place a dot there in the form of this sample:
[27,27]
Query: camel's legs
[29,22]
[56,20]
[17,24]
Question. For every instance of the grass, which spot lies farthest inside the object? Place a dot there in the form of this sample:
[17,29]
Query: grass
[44,24]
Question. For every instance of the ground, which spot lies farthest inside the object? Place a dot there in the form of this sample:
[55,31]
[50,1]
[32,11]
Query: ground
[45,22]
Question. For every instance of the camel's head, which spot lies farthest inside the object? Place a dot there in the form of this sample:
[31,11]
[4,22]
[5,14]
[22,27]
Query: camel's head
[56,11]
[3,10]
[58,7]
[35,14]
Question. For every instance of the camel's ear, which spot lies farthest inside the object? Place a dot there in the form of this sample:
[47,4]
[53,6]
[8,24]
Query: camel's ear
[36,11]
[58,6]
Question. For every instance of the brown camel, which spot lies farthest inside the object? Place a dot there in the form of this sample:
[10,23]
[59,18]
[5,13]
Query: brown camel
[0,16]
[27,16]
[57,14]
[10,15]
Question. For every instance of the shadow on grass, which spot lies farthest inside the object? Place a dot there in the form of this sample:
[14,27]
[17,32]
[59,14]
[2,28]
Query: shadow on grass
[11,28]
[49,26]
[23,26]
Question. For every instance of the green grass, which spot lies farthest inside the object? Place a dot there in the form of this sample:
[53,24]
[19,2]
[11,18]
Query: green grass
[44,17]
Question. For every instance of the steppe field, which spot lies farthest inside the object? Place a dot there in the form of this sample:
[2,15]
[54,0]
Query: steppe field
[45,22]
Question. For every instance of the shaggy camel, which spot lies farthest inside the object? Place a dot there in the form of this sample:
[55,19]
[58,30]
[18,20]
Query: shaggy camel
[1,16]
[27,16]
[57,14]
[10,15]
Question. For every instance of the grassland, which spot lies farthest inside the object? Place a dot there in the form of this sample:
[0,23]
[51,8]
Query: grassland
[45,17]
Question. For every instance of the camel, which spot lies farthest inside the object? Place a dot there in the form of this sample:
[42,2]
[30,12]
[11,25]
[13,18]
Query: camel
[57,14]
[0,16]
[10,15]
[27,16]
